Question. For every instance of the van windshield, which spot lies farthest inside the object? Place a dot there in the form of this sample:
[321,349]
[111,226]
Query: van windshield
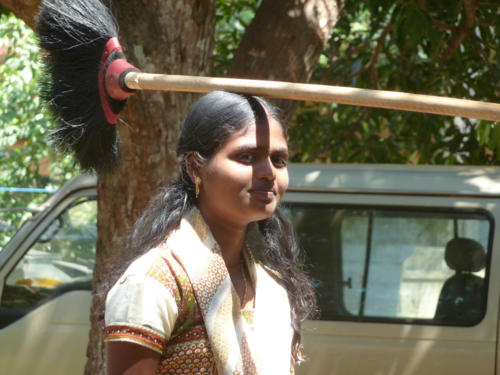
[17,206]
[11,221]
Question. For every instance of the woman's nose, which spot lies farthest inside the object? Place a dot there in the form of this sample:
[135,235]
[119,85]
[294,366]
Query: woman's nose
[266,170]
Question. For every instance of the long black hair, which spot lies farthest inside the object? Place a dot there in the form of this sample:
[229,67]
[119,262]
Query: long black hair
[209,123]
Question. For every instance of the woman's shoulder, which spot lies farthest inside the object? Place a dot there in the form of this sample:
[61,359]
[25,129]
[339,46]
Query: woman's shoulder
[157,265]
[153,258]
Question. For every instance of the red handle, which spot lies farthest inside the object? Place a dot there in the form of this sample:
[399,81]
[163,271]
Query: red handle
[112,70]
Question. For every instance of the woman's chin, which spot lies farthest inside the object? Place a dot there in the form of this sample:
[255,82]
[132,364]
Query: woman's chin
[262,210]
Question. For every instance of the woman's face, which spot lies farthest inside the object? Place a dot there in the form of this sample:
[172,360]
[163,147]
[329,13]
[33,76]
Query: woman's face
[246,178]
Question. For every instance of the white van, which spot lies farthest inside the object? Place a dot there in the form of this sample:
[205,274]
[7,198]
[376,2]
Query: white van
[403,259]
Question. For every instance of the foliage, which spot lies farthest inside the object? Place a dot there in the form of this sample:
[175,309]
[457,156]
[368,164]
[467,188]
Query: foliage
[24,124]
[232,18]
[444,48]
[441,48]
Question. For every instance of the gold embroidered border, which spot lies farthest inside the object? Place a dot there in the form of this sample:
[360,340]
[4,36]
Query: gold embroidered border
[133,334]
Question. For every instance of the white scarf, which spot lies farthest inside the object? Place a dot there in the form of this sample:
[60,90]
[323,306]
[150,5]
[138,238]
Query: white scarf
[236,347]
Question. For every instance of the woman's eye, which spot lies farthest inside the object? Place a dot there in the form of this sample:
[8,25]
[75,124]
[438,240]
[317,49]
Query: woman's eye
[245,158]
[280,162]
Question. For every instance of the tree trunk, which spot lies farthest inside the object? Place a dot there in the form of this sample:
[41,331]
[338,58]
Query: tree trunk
[284,41]
[162,37]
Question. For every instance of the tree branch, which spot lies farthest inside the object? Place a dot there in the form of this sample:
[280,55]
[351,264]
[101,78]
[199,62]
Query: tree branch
[482,53]
[284,41]
[23,9]
[435,22]
[372,65]
[378,49]
[470,7]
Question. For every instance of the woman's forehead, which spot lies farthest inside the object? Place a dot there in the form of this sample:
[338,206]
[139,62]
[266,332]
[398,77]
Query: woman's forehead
[262,134]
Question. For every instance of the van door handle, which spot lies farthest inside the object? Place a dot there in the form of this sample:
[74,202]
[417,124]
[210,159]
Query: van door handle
[347,283]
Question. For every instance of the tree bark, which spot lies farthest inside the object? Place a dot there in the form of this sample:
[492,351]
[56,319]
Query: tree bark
[284,41]
[23,9]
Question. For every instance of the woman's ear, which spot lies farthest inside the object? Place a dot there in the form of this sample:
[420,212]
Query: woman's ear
[194,162]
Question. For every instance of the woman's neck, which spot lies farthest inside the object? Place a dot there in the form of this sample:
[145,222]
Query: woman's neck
[231,239]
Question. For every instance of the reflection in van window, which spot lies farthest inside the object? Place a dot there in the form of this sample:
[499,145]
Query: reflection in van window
[386,264]
[61,260]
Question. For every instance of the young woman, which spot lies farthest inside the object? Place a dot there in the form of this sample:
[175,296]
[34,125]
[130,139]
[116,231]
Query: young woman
[220,290]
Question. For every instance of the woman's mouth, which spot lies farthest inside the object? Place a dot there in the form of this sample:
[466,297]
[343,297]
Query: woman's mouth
[262,194]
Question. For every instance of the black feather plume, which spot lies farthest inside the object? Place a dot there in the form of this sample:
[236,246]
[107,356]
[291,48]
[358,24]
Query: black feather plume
[73,34]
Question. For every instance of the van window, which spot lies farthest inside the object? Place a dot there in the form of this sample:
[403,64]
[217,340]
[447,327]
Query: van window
[396,265]
[61,260]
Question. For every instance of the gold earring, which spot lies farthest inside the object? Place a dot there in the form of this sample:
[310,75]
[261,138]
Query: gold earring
[197,182]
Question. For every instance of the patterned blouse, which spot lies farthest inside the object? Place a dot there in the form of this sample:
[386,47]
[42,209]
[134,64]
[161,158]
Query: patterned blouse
[181,339]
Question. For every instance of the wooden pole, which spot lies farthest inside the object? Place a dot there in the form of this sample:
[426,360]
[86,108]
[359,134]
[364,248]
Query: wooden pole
[438,105]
